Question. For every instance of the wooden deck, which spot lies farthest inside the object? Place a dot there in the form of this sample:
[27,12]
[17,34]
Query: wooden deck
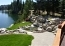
[60,35]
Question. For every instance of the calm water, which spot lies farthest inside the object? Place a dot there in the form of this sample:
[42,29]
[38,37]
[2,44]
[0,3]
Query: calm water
[6,20]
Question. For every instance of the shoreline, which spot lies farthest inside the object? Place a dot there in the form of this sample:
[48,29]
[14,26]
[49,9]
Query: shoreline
[10,25]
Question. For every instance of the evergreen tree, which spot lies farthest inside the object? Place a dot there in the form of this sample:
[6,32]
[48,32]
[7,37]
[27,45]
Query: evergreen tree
[16,6]
[63,8]
[28,6]
[40,5]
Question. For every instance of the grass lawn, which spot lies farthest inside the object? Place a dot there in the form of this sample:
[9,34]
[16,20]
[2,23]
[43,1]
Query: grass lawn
[16,40]
[19,25]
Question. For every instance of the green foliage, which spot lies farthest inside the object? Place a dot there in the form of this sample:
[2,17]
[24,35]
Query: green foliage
[49,5]
[27,6]
[15,40]
[16,6]
[22,9]
[19,13]
[17,25]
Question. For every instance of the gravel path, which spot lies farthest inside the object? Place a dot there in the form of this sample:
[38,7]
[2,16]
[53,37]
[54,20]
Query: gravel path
[42,39]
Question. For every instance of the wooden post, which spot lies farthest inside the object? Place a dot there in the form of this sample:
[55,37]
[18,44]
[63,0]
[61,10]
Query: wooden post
[31,11]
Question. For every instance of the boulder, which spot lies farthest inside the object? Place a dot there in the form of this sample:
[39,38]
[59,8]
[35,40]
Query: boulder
[44,26]
[52,27]
[10,31]
[2,30]
[41,19]
[39,29]
[16,32]
[36,24]
[55,28]
[7,31]
[32,25]
[20,30]
[49,29]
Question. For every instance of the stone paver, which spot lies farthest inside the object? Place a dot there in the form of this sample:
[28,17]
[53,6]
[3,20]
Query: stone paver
[42,39]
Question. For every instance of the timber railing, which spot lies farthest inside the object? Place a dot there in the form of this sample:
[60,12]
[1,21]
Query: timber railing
[59,35]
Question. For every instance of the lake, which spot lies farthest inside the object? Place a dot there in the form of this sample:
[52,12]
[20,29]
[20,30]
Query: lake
[6,19]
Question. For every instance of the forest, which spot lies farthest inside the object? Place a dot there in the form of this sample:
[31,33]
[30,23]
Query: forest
[22,8]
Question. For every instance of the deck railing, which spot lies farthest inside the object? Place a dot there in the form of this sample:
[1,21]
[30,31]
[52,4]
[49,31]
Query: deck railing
[59,34]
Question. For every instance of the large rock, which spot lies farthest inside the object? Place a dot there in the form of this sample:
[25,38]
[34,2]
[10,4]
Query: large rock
[2,30]
[49,29]
[44,26]
[32,18]
[41,19]
[55,28]
[10,31]
[36,24]
[54,31]
[52,27]
[21,30]
[32,25]
[39,29]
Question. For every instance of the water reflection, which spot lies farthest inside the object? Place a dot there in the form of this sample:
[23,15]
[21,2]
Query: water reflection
[6,19]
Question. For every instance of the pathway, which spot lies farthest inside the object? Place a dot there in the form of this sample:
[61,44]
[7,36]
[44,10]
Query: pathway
[42,39]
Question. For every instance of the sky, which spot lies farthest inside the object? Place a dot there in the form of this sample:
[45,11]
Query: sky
[5,2]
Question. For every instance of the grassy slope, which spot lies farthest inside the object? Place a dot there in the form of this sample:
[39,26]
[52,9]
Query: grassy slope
[15,40]
[19,25]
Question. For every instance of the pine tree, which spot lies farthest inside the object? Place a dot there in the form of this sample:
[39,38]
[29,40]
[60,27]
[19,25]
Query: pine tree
[16,6]
[41,5]
[63,8]
[27,6]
